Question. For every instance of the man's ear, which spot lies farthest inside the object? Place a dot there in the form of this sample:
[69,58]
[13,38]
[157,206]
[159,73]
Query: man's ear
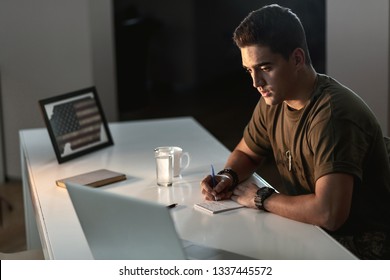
[299,57]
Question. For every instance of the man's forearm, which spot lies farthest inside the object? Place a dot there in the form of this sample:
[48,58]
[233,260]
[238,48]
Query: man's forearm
[242,164]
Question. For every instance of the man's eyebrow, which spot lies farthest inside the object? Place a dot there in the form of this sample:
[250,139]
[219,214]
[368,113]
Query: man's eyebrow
[261,64]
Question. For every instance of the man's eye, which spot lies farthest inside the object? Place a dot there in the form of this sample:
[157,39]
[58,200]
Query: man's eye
[248,70]
[266,69]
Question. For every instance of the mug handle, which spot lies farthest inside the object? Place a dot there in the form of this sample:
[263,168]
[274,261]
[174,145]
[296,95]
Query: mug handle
[187,155]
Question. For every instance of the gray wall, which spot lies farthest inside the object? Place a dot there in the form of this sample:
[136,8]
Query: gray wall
[45,50]
[2,158]
[358,50]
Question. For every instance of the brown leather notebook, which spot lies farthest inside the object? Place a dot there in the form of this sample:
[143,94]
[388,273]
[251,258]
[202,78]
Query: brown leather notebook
[95,178]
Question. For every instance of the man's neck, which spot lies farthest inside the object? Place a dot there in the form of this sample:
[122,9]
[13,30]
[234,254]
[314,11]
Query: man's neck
[305,89]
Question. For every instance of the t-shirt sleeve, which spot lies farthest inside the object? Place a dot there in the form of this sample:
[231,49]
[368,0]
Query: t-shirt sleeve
[332,153]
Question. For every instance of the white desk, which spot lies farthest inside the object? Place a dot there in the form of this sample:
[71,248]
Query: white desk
[52,222]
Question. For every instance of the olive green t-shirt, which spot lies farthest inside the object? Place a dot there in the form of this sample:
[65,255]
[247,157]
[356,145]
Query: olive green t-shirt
[335,132]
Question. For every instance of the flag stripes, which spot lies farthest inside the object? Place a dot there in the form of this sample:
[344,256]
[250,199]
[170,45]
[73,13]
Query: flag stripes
[77,122]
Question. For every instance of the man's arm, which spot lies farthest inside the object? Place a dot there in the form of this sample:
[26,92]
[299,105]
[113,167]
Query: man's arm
[243,161]
[328,207]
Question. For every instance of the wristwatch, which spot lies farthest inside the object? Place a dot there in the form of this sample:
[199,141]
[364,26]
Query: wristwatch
[261,195]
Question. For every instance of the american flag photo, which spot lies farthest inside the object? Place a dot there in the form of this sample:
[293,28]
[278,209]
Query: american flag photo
[77,123]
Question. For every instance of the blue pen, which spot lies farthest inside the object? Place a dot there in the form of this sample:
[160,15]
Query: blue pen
[213,175]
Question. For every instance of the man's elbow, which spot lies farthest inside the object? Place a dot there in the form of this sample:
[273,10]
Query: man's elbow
[331,221]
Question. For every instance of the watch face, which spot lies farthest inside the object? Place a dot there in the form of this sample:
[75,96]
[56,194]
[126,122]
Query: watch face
[265,191]
[262,194]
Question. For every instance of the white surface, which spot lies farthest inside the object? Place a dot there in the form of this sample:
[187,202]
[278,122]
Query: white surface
[244,231]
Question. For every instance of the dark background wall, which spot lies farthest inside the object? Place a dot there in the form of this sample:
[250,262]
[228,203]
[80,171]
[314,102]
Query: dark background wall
[184,48]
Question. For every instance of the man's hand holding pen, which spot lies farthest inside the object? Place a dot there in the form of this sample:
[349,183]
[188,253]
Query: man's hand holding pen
[221,190]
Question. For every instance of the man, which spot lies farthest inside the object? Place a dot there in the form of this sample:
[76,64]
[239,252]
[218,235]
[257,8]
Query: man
[327,144]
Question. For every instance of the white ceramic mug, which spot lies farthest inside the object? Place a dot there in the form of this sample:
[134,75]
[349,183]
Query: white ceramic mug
[179,157]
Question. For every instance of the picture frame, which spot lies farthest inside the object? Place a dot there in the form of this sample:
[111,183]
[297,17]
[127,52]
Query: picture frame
[76,123]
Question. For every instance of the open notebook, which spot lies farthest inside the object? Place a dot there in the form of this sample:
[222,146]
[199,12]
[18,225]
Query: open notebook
[122,227]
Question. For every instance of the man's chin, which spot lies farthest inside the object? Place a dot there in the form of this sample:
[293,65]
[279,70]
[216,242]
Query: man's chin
[270,101]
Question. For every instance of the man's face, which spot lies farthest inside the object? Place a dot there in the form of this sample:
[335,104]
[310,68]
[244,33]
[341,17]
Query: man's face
[272,75]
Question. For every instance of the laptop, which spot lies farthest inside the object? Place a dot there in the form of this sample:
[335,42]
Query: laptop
[122,227]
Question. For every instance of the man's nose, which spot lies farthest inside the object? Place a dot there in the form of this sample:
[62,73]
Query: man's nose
[258,80]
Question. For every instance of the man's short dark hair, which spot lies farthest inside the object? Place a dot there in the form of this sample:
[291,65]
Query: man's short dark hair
[275,27]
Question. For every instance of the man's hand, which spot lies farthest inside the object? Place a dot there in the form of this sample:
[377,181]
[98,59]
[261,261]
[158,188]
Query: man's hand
[245,194]
[220,191]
